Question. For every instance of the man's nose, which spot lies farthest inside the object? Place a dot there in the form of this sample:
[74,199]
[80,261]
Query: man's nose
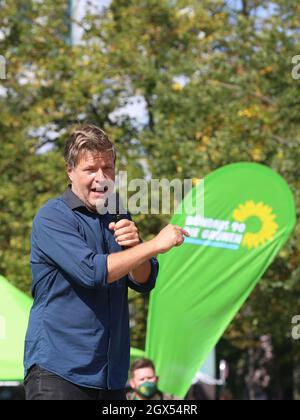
[100,175]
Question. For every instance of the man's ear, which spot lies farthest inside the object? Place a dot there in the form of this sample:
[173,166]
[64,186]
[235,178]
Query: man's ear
[132,384]
[69,170]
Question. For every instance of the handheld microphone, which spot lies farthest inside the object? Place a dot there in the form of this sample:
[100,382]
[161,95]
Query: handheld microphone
[117,217]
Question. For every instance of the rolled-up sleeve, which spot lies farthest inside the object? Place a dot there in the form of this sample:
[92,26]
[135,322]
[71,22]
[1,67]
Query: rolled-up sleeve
[57,241]
[150,284]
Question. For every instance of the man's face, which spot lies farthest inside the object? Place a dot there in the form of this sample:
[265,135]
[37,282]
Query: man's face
[89,176]
[142,375]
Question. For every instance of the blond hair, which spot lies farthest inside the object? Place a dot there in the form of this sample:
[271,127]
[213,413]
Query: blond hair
[86,138]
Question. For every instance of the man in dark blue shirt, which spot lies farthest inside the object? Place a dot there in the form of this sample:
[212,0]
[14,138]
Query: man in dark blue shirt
[77,343]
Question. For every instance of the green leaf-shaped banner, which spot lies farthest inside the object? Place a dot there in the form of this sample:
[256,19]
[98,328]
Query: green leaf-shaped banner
[249,213]
[14,313]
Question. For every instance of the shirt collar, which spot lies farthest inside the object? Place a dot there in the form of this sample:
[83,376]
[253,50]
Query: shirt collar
[71,199]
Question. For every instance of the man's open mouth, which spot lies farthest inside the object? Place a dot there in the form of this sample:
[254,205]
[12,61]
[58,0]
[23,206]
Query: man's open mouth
[102,190]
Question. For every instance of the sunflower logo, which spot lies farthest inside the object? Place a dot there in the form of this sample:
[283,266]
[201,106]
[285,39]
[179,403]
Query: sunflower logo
[266,216]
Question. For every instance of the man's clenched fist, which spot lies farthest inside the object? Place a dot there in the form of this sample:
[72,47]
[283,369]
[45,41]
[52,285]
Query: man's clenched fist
[126,233]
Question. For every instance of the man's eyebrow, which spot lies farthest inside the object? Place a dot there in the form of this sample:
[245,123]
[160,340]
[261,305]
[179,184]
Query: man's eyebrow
[88,166]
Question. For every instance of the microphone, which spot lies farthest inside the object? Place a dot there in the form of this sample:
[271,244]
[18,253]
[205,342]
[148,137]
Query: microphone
[117,217]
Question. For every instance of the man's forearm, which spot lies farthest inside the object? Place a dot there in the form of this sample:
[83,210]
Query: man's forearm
[141,274]
[133,260]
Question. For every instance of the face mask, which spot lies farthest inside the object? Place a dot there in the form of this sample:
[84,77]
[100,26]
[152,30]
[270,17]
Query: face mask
[147,389]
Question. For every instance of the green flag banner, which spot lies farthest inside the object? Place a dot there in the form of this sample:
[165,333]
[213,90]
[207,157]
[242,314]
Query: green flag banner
[249,213]
[14,313]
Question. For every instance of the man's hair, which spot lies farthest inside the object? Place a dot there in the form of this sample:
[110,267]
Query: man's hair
[140,364]
[86,138]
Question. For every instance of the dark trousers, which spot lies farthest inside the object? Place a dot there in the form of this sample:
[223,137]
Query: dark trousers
[43,385]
